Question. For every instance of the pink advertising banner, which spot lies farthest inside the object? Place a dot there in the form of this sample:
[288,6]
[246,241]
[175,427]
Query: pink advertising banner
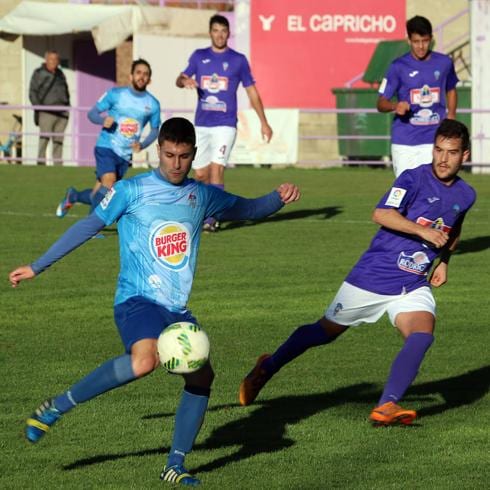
[300,49]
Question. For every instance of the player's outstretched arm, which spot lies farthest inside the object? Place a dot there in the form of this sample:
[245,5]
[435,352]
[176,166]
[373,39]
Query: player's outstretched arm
[260,207]
[21,274]
[288,193]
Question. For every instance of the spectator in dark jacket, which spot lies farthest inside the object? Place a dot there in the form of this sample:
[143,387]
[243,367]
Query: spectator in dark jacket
[48,87]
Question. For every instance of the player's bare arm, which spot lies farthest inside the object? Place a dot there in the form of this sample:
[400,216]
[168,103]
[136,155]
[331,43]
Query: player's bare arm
[384,105]
[392,219]
[21,274]
[108,122]
[288,193]
[257,105]
[452,103]
[184,81]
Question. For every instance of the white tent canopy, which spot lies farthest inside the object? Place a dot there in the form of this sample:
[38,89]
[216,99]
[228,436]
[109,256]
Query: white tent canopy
[110,25]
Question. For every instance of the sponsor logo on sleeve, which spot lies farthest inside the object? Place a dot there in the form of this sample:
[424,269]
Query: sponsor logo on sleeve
[170,245]
[382,87]
[395,197]
[107,198]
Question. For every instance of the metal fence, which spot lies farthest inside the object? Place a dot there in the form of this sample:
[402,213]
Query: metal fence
[13,142]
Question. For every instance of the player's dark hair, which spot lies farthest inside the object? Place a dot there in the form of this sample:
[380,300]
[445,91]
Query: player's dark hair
[177,130]
[219,19]
[452,129]
[419,25]
[140,61]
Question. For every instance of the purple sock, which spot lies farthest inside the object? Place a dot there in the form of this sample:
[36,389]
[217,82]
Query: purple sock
[406,366]
[300,340]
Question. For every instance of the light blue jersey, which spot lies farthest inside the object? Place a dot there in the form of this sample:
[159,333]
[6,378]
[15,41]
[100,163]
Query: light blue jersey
[131,111]
[159,227]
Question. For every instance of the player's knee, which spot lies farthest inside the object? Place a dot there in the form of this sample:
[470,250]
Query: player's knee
[143,365]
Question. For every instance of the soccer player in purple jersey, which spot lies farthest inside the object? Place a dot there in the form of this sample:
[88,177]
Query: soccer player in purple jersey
[215,73]
[421,218]
[424,84]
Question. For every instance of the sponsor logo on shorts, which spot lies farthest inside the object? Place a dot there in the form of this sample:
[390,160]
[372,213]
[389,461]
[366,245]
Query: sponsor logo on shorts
[107,198]
[170,245]
[128,127]
[417,263]
[338,308]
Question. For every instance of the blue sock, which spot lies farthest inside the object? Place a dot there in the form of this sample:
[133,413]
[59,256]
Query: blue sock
[300,340]
[113,373]
[82,196]
[98,196]
[188,421]
[406,366]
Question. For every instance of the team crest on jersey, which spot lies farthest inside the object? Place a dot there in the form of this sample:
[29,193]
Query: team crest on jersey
[192,200]
[416,263]
[107,198]
[437,224]
[214,83]
[128,127]
[225,65]
[437,74]
[170,245]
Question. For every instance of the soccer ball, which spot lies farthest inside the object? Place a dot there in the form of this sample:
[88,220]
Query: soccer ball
[183,348]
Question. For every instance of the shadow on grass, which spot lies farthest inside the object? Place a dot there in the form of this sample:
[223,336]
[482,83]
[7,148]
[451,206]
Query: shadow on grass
[264,430]
[322,213]
[477,244]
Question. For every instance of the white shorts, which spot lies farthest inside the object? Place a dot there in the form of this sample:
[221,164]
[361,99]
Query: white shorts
[353,305]
[405,157]
[213,145]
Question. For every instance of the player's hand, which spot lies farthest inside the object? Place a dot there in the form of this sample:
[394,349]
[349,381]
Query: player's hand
[439,276]
[288,193]
[20,274]
[438,238]
[267,132]
[189,83]
[136,146]
[402,108]
[108,122]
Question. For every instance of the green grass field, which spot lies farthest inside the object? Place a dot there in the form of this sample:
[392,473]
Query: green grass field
[255,283]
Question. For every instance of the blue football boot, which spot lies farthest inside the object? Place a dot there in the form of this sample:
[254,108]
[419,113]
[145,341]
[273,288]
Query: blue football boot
[178,474]
[41,420]
[65,204]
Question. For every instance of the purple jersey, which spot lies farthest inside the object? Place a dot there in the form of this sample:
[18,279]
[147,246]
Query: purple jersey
[423,84]
[218,76]
[396,262]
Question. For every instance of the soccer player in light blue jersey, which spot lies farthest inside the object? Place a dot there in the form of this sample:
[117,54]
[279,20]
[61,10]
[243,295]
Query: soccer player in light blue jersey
[215,73]
[127,111]
[420,220]
[152,210]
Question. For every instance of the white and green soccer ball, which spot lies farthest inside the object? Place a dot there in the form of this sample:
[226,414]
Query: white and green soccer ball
[183,348]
